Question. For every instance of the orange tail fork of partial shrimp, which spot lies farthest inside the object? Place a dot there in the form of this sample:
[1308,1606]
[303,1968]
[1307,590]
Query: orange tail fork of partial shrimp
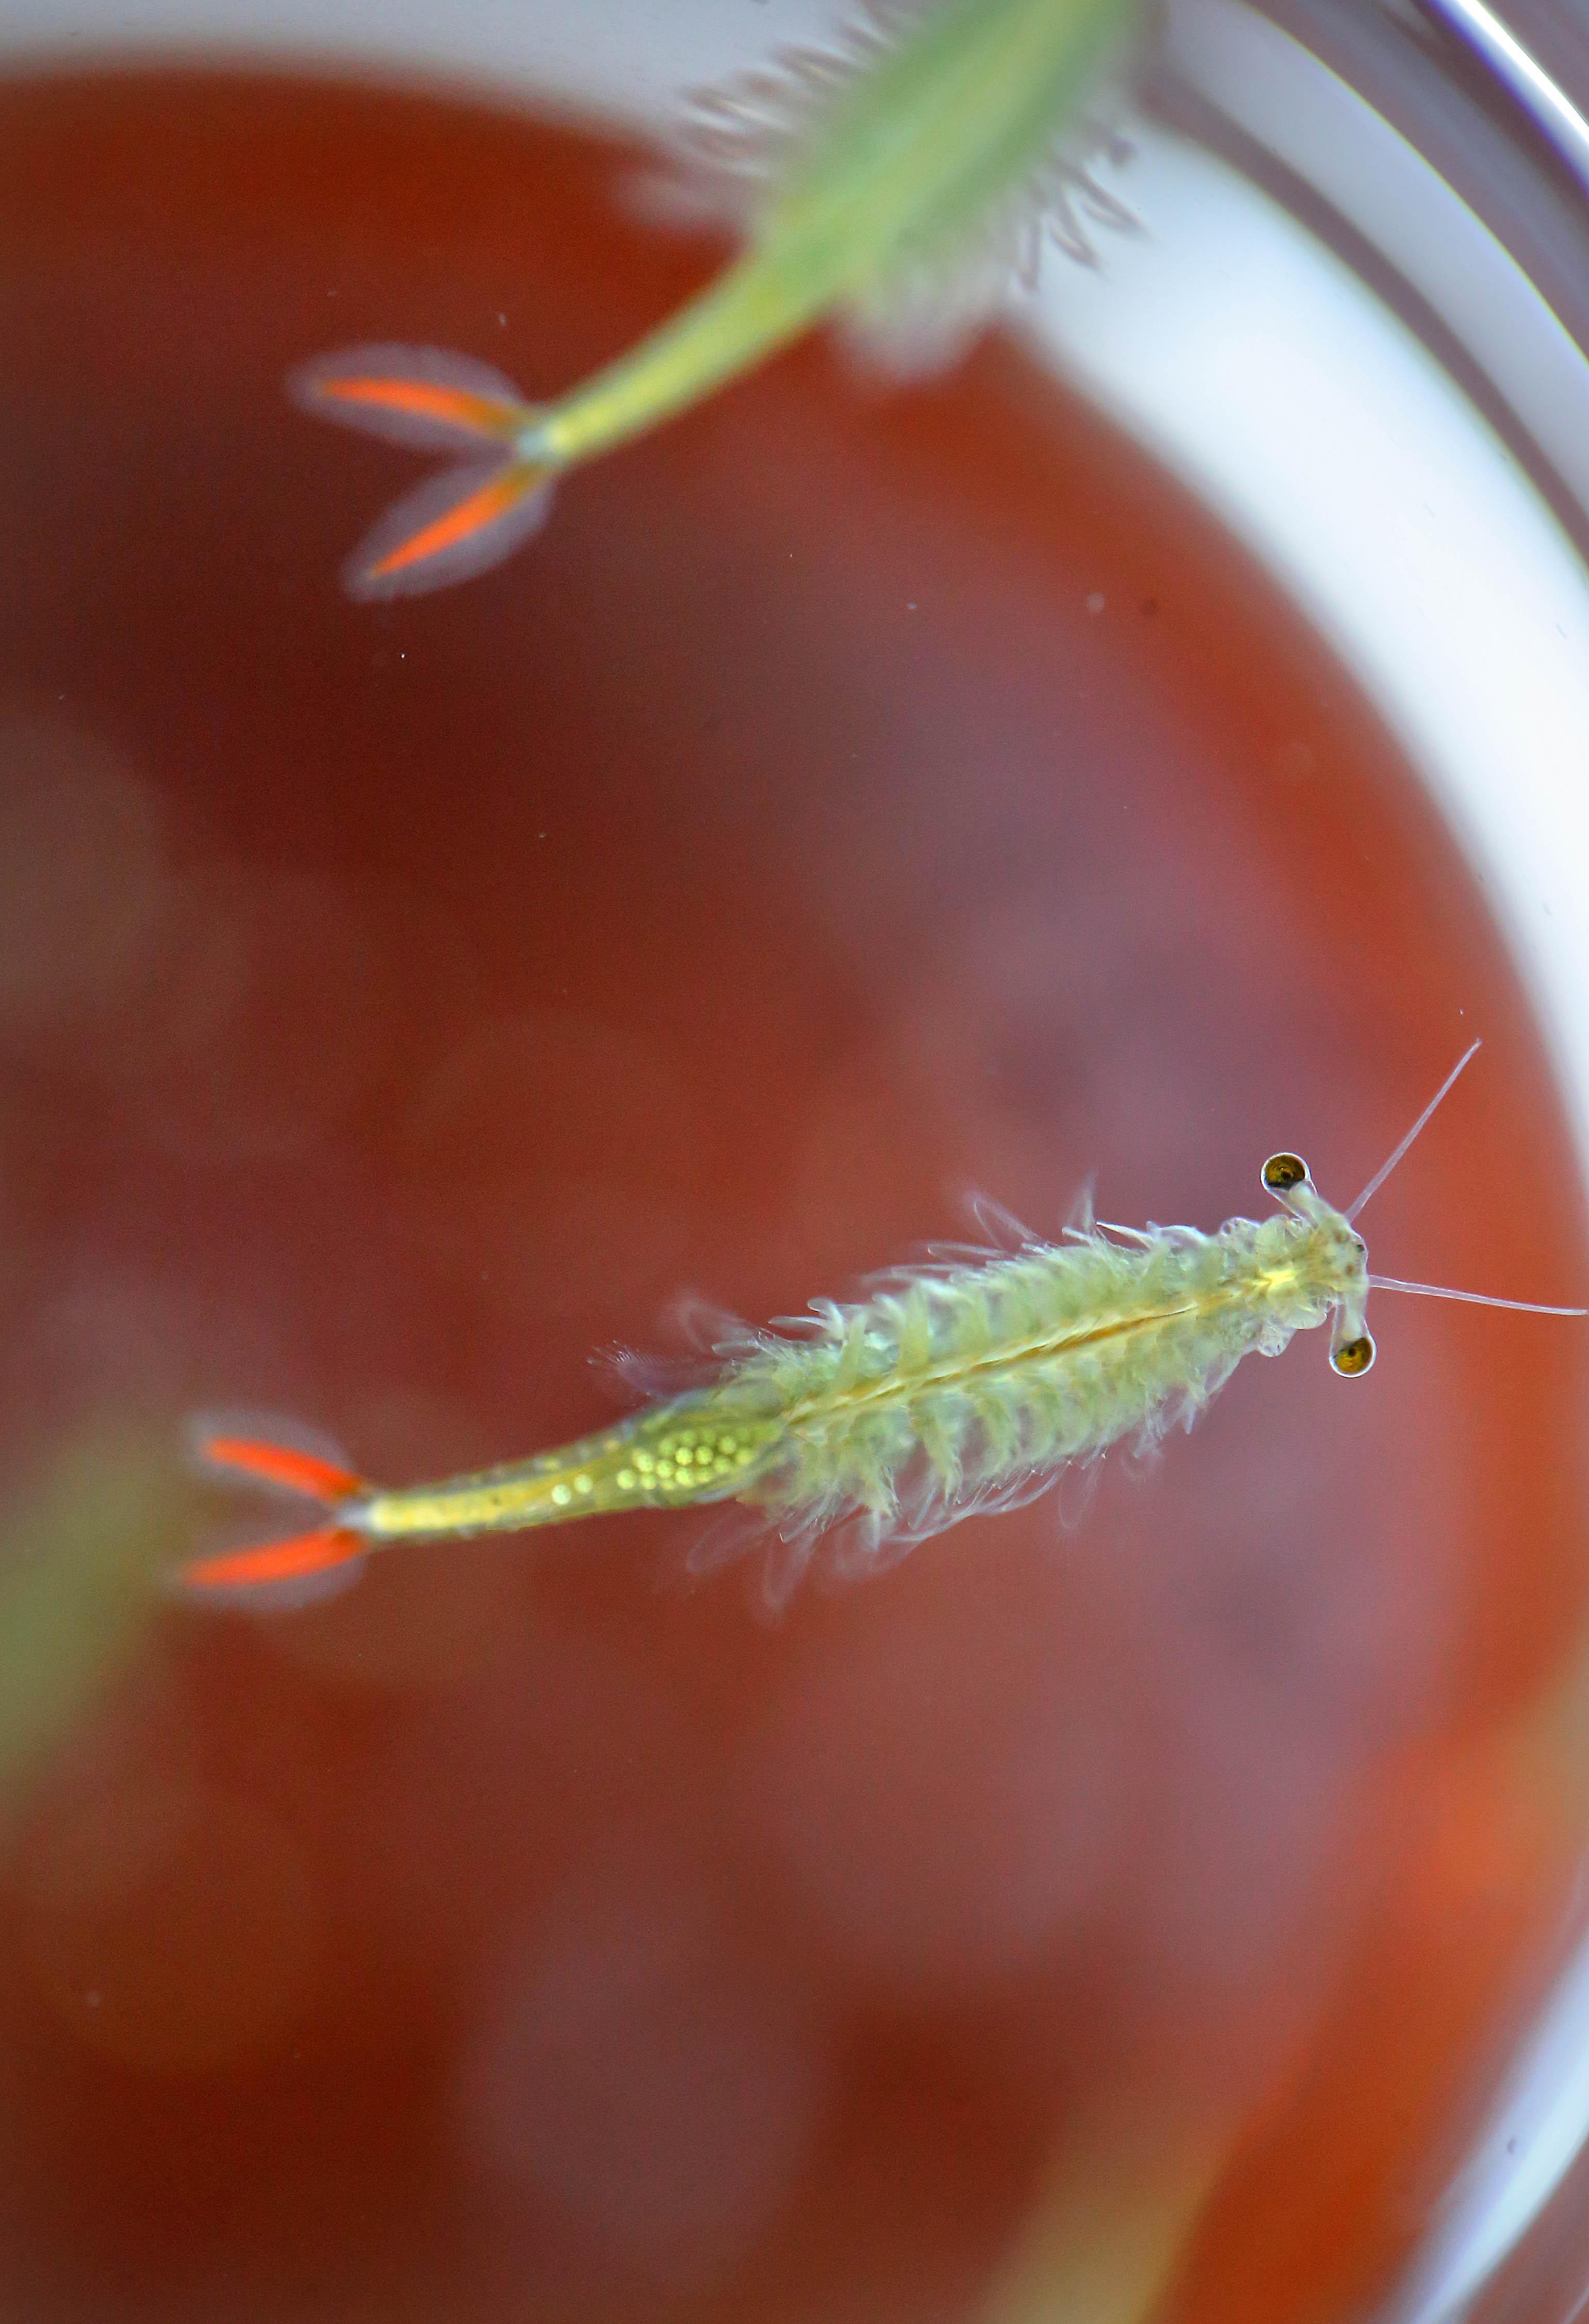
[295,1563]
[469,515]
[933,147]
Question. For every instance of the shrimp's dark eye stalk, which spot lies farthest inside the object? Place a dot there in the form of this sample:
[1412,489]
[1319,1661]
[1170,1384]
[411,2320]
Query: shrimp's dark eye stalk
[1353,1356]
[1281,1172]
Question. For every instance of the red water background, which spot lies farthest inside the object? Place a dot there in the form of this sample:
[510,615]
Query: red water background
[850,800]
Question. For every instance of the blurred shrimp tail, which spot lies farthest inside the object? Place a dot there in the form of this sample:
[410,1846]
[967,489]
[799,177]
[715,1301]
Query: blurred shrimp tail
[469,516]
[288,1569]
[900,180]
[457,524]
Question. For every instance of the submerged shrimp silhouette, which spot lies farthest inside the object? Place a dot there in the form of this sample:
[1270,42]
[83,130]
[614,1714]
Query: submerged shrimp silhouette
[960,1385]
[901,193]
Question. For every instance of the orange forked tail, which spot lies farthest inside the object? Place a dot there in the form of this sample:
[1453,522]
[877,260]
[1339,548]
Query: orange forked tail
[282,1570]
[318,1476]
[457,524]
[295,1560]
[422,396]
[470,516]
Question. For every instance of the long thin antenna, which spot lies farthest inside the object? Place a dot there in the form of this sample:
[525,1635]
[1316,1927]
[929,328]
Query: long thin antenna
[1383,1172]
[1475,1298]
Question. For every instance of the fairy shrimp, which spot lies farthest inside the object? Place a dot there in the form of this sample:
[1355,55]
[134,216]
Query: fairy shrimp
[962,1385]
[898,185]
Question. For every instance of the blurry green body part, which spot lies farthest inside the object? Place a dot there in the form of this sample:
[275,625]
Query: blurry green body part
[899,192]
[80,1566]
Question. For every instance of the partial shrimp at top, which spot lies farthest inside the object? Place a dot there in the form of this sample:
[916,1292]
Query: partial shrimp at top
[899,186]
[962,1386]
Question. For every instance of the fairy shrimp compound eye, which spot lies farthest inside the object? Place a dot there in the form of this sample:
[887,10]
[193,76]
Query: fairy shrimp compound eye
[1353,1356]
[1282,1172]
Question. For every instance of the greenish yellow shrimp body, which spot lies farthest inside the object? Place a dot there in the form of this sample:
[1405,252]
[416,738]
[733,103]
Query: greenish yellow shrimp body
[920,161]
[951,1391]
[956,1387]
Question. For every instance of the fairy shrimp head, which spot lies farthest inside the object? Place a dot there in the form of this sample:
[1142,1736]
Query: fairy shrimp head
[1316,1262]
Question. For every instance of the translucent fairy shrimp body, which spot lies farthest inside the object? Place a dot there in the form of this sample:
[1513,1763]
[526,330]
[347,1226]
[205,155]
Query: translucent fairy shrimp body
[898,181]
[959,1389]
[965,1384]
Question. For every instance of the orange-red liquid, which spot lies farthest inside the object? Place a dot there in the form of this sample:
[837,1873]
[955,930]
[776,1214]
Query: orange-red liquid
[845,801]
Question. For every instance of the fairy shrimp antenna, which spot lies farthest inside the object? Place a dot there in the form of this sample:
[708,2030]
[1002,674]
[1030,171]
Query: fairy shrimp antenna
[901,192]
[962,1385]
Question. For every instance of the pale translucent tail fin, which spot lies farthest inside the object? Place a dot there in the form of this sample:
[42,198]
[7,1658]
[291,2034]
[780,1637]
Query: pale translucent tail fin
[457,524]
